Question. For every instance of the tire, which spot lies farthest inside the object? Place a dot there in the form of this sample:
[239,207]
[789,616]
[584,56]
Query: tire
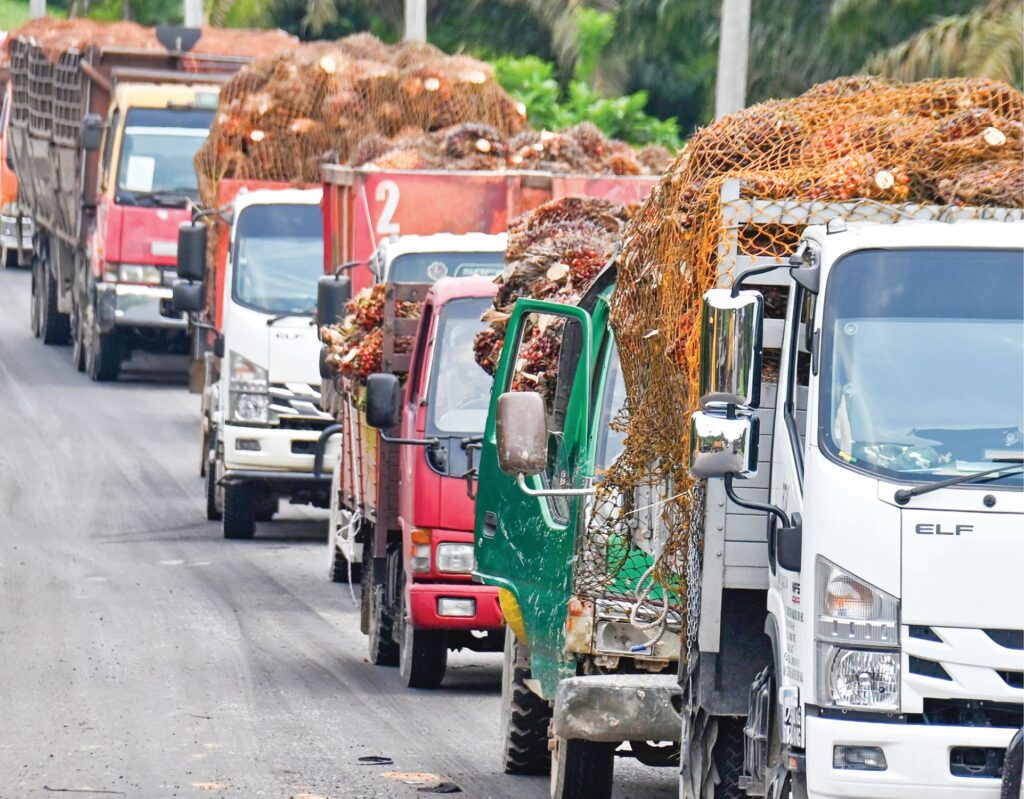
[214,492]
[728,758]
[525,717]
[383,649]
[76,323]
[239,510]
[54,326]
[582,769]
[103,351]
[422,655]
[35,307]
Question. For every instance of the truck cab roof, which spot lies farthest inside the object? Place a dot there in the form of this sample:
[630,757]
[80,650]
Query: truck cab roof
[443,242]
[289,196]
[453,288]
[161,95]
[973,233]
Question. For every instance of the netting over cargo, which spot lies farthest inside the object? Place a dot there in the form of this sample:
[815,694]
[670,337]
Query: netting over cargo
[859,141]
[282,116]
[57,36]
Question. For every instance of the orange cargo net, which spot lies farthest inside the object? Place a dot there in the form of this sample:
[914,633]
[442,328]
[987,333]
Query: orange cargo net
[947,142]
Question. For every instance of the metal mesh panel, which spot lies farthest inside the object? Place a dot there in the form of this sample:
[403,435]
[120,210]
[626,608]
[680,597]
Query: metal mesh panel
[68,98]
[19,75]
[40,93]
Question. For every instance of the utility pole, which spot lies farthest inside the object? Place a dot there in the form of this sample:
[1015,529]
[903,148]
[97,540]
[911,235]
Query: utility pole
[733,47]
[415,20]
[36,9]
[194,16]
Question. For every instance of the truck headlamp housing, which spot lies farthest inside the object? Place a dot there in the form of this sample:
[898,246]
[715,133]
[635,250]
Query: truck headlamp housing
[858,657]
[249,391]
[138,273]
[455,558]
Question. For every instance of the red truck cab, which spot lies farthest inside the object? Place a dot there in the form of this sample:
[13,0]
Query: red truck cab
[445,402]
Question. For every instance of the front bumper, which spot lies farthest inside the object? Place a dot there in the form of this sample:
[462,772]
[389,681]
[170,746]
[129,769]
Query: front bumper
[423,606]
[276,450]
[15,237]
[917,758]
[618,707]
[129,305]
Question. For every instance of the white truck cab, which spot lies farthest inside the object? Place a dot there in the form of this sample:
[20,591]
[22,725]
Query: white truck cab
[889,459]
[262,413]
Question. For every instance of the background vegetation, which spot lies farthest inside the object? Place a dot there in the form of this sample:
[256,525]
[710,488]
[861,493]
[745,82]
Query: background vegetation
[644,69]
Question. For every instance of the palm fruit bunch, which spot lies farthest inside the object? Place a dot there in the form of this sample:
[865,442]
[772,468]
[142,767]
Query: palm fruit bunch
[355,345]
[553,253]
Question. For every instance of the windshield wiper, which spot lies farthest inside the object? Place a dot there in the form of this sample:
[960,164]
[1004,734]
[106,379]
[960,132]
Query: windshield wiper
[904,495]
[273,319]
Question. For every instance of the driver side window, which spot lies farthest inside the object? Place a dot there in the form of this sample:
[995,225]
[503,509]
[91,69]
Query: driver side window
[546,358]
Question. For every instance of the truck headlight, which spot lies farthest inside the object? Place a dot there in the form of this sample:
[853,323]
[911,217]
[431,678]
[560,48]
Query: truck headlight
[858,658]
[138,273]
[865,679]
[455,558]
[249,390]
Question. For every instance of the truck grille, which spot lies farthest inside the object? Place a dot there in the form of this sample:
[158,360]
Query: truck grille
[297,402]
[964,677]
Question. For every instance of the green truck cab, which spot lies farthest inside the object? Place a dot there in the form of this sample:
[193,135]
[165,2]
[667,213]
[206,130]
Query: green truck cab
[580,675]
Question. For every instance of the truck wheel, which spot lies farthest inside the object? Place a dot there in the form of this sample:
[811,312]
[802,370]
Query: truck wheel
[35,305]
[54,326]
[239,510]
[214,492]
[383,649]
[77,333]
[102,350]
[728,757]
[524,717]
[423,655]
[582,769]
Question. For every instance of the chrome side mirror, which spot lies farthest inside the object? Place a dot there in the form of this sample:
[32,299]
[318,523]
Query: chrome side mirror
[521,433]
[730,349]
[721,446]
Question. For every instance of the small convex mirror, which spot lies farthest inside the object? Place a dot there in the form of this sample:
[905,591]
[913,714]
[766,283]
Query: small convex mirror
[191,251]
[720,446]
[186,297]
[521,435]
[92,133]
[730,349]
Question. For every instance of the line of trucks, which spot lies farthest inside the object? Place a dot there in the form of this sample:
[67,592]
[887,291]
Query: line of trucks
[860,630]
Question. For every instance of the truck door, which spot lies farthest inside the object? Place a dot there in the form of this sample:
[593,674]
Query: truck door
[524,543]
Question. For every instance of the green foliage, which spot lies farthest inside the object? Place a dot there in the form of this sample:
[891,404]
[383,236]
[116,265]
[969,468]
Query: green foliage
[533,82]
[13,13]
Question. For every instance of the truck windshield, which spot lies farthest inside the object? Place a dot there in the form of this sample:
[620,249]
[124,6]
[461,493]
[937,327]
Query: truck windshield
[460,391]
[428,267]
[157,150]
[923,362]
[279,256]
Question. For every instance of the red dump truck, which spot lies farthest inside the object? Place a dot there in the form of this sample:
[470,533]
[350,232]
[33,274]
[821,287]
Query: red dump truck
[102,140]
[402,507]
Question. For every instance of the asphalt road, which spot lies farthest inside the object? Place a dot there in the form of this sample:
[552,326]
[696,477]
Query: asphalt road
[142,655]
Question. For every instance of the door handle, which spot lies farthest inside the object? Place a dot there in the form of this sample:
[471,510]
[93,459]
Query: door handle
[490,524]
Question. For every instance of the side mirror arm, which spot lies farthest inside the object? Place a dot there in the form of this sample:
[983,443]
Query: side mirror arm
[471,444]
[422,442]
[321,448]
